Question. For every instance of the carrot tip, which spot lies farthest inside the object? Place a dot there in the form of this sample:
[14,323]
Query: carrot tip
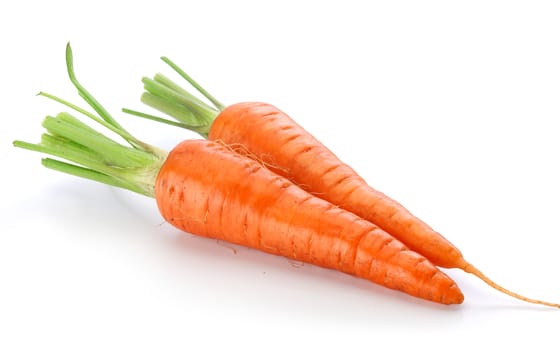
[467,267]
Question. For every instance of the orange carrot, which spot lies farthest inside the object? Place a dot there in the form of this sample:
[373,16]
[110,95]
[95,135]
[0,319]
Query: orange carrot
[292,152]
[205,188]
[264,132]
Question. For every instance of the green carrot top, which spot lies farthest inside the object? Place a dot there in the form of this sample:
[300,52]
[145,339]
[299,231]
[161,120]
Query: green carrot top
[189,111]
[91,154]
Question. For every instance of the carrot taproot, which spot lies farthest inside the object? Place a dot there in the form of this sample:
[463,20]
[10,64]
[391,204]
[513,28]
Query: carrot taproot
[233,198]
[205,188]
[264,132]
[271,135]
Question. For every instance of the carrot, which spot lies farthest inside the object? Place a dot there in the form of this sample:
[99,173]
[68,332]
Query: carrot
[205,188]
[249,205]
[266,133]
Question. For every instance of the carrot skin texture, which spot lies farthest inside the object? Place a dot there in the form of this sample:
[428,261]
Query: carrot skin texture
[286,148]
[206,189]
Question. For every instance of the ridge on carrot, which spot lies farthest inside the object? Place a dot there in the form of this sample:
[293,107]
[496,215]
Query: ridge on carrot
[263,132]
[205,188]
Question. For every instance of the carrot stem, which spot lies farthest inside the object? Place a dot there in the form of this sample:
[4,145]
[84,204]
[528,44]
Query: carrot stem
[160,78]
[191,81]
[103,122]
[153,118]
[201,130]
[476,272]
[164,105]
[94,156]
[168,97]
[159,87]
[91,174]
[83,92]
[91,154]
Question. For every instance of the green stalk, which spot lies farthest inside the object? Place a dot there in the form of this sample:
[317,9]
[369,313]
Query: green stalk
[157,86]
[162,104]
[90,174]
[69,127]
[117,130]
[168,97]
[83,92]
[200,130]
[90,154]
[193,83]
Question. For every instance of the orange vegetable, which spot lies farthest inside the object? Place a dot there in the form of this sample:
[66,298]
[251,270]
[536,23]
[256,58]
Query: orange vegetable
[290,151]
[205,188]
[265,133]
[300,157]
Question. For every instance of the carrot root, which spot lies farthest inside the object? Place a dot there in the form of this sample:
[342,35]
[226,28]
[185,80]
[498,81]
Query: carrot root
[468,267]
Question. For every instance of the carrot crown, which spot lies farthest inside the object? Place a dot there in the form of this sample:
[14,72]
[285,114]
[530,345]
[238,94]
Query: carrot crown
[189,111]
[91,154]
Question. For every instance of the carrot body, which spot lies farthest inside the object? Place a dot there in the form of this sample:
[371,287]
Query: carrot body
[206,189]
[290,151]
[266,134]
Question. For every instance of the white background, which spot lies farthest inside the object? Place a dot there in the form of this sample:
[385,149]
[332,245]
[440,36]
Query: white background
[450,107]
